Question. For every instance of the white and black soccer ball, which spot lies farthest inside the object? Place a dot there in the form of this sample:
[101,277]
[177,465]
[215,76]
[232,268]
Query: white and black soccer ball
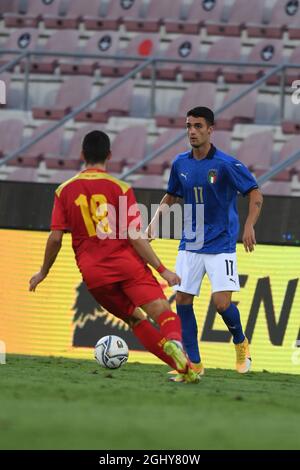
[111,352]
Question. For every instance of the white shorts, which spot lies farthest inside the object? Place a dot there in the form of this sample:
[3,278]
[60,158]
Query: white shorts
[221,270]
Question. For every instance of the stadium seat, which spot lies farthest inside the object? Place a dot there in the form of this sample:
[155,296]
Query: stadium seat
[243,111]
[118,11]
[128,148]
[11,134]
[73,92]
[61,176]
[291,122]
[200,14]
[115,103]
[142,45]
[287,150]
[156,11]
[6,79]
[293,74]
[276,188]
[8,6]
[244,13]
[256,151]
[280,18]
[103,43]
[222,140]
[60,41]
[27,175]
[173,18]
[220,25]
[183,47]
[33,13]
[269,51]
[149,182]
[225,49]
[48,147]
[71,157]
[22,40]
[164,160]
[203,92]
[76,11]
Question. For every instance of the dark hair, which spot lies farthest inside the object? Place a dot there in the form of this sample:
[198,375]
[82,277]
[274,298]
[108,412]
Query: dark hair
[202,111]
[96,147]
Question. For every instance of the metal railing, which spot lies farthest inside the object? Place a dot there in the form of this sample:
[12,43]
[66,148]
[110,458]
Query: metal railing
[153,63]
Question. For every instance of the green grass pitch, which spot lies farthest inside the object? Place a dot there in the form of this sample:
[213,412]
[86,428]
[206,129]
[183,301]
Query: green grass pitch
[57,403]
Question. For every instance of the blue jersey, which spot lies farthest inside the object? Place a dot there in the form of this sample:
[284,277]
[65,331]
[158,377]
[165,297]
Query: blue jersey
[213,182]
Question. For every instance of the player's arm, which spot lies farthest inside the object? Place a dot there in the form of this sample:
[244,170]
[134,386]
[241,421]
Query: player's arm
[255,205]
[144,249]
[167,201]
[53,246]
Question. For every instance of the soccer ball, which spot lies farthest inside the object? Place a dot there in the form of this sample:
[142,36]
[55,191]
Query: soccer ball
[111,352]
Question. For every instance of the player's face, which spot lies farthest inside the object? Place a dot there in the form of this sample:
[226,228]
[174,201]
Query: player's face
[198,131]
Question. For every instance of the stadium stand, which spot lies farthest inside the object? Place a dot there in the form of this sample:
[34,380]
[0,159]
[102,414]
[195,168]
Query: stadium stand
[256,128]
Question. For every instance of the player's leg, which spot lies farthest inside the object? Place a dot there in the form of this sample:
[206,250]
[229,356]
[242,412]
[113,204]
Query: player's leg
[223,275]
[149,337]
[144,291]
[113,299]
[190,268]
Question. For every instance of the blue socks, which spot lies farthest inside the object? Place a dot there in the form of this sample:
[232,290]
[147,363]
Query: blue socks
[189,331]
[232,319]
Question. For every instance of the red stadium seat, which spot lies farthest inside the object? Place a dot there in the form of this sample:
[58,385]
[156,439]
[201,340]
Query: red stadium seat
[35,11]
[104,43]
[276,188]
[61,176]
[183,47]
[61,41]
[164,160]
[48,147]
[149,182]
[206,97]
[23,40]
[256,151]
[71,158]
[118,11]
[142,45]
[157,10]
[289,148]
[77,11]
[226,49]
[115,103]
[8,6]
[243,111]
[174,19]
[267,51]
[28,175]
[128,148]
[201,13]
[11,134]
[222,140]
[284,14]
[72,93]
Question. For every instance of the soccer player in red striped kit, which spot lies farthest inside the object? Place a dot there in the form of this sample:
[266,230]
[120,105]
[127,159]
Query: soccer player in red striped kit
[112,253]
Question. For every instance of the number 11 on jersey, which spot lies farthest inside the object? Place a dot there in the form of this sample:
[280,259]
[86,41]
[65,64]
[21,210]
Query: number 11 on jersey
[198,190]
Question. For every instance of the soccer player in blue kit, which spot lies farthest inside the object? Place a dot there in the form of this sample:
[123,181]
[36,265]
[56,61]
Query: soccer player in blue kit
[207,178]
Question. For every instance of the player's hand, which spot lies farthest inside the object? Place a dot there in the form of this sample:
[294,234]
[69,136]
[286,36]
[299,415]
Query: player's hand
[172,278]
[249,240]
[35,280]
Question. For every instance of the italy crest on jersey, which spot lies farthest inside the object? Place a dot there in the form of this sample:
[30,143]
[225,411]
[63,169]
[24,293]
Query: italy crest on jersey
[212,176]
